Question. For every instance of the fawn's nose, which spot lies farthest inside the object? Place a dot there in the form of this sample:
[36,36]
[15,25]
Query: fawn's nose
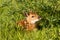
[39,17]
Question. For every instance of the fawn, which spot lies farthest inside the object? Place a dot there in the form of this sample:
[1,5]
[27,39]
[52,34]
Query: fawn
[29,22]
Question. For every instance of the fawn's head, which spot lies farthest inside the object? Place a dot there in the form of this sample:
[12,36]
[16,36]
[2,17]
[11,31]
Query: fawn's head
[32,17]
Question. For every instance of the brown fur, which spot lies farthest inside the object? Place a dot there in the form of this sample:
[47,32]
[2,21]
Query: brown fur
[27,23]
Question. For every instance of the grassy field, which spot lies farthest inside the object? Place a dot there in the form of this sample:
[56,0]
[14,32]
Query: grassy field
[12,10]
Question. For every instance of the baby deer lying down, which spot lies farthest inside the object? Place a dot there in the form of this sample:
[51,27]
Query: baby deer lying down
[29,22]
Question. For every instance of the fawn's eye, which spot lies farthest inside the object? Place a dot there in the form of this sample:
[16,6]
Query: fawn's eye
[32,16]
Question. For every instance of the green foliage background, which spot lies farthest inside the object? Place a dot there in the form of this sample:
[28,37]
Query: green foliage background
[12,10]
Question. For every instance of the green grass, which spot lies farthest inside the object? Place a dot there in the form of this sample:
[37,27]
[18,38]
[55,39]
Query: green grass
[12,10]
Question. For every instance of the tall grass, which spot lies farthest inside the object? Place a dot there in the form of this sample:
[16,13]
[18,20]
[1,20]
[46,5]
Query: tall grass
[12,10]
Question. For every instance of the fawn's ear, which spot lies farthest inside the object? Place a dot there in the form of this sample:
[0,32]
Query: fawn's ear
[31,12]
[26,14]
